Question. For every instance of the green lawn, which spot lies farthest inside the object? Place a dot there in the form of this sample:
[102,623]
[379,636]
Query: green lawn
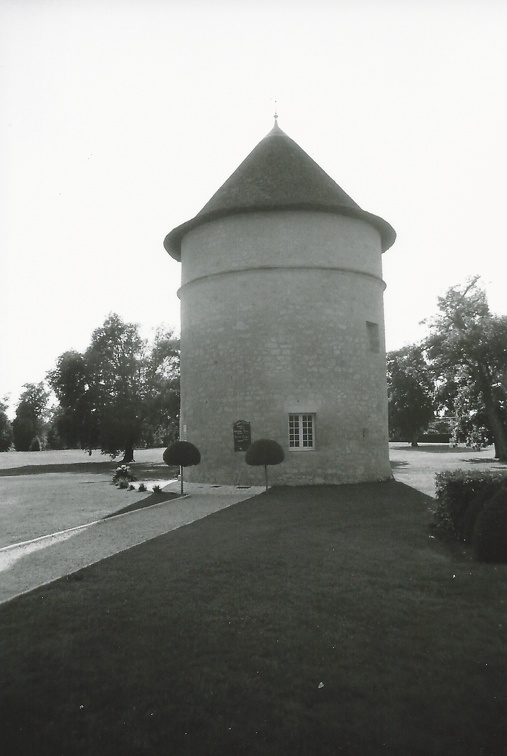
[316,621]
[45,492]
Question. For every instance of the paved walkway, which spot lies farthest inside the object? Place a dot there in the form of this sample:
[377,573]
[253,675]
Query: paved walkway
[29,565]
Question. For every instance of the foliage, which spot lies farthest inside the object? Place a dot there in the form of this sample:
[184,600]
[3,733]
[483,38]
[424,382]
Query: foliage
[264,452]
[123,483]
[123,473]
[114,362]
[455,492]
[490,532]
[157,489]
[461,397]
[31,414]
[76,421]
[183,454]
[5,430]
[120,392]
[467,351]
[410,394]
[53,438]
[35,446]
[162,401]
[141,488]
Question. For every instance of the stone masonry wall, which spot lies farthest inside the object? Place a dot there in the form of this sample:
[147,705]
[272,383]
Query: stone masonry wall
[274,320]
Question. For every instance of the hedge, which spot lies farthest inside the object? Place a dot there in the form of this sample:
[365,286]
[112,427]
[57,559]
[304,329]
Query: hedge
[490,531]
[459,498]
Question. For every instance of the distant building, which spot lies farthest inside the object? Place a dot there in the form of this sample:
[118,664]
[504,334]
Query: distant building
[282,324]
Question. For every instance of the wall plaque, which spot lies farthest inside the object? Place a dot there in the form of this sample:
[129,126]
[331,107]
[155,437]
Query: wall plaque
[242,434]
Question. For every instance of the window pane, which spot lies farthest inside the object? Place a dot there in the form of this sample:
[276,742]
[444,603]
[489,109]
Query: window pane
[293,431]
[301,431]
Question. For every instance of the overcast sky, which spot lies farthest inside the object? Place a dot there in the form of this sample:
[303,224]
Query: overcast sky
[120,118]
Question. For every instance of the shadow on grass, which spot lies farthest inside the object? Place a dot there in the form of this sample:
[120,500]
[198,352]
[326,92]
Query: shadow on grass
[141,470]
[155,498]
[431,448]
[488,461]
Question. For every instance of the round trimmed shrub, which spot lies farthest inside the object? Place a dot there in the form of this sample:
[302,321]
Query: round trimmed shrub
[490,532]
[182,453]
[264,452]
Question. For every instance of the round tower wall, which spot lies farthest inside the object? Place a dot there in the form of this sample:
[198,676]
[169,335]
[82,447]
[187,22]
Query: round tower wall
[288,238]
[276,323]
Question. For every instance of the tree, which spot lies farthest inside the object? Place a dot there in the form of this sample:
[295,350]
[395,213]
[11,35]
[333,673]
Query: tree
[120,392]
[264,452]
[460,398]
[410,394]
[115,369]
[183,454]
[465,338]
[31,414]
[162,402]
[76,421]
[5,428]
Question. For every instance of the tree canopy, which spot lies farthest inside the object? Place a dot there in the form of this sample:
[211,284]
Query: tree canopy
[467,351]
[31,414]
[5,428]
[120,392]
[410,394]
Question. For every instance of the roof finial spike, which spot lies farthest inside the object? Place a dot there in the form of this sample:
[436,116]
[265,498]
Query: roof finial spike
[276,114]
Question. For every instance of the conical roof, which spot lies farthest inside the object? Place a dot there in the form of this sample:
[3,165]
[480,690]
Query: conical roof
[278,175]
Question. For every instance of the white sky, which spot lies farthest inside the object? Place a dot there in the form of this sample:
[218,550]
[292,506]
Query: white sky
[120,118]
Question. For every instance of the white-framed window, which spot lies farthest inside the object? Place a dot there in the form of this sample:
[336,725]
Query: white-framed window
[301,432]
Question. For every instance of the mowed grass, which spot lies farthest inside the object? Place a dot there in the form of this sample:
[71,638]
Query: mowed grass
[320,620]
[45,492]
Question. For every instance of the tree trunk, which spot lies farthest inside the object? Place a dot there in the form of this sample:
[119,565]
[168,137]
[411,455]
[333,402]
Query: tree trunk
[128,455]
[266,475]
[494,416]
[181,479]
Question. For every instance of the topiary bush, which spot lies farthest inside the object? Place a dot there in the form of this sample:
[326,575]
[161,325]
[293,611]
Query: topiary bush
[456,491]
[490,532]
[183,454]
[264,452]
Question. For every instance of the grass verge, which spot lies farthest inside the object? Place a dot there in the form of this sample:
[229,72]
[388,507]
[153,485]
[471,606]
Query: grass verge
[317,620]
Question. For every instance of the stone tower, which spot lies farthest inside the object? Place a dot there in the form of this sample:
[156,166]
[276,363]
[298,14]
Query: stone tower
[282,324]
